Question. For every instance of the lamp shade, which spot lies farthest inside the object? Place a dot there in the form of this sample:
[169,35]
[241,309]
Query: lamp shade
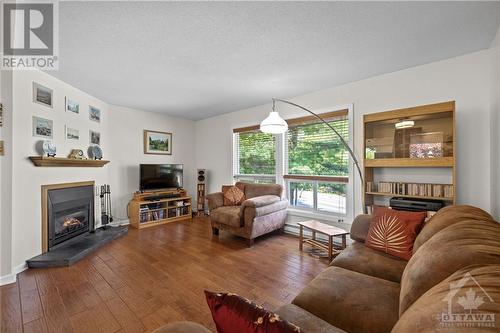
[274,124]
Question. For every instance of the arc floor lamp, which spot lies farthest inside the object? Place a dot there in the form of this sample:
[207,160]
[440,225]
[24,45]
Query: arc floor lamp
[274,124]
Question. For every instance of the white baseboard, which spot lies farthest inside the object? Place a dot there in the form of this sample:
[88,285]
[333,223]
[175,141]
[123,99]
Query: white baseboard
[11,278]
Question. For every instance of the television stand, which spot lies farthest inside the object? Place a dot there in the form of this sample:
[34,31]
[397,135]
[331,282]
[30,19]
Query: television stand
[148,209]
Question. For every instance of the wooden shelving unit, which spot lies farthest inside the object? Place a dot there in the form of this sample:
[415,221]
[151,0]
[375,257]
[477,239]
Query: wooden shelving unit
[43,161]
[386,146]
[156,208]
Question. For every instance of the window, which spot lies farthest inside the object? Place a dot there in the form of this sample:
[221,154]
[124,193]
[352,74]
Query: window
[317,164]
[310,160]
[255,156]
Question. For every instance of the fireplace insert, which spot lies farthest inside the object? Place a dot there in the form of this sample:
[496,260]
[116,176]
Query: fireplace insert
[70,213]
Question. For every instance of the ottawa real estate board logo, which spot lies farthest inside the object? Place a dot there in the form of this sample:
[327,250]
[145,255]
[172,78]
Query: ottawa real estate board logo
[466,302]
[30,36]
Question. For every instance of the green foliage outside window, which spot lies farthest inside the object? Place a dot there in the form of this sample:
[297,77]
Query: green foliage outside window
[257,153]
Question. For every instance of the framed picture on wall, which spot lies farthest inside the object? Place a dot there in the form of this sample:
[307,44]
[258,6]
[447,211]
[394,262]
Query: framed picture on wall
[95,138]
[43,127]
[72,106]
[42,95]
[72,133]
[158,143]
[94,114]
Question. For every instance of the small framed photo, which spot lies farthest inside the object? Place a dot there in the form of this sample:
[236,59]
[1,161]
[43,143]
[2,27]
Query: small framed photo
[43,127]
[94,114]
[72,133]
[158,143]
[72,106]
[42,95]
[95,138]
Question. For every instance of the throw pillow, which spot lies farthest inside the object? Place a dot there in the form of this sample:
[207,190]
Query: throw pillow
[394,232]
[233,313]
[233,195]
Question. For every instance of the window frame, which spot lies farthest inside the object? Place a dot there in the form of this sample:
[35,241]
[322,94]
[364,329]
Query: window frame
[282,160]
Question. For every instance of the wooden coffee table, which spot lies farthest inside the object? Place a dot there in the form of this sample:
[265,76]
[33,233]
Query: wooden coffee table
[325,229]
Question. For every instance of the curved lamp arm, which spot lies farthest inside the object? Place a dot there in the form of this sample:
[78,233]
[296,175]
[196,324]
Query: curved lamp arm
[344,143]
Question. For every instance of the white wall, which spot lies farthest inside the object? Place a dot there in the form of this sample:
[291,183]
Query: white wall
[127,152]
[465,79]
[495,128]
[6,180]
[122,143]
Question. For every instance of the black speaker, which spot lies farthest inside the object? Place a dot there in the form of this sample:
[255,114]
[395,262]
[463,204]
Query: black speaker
[202,176]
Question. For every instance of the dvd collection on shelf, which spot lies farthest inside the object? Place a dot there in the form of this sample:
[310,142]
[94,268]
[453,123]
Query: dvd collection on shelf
[412,189]
[155,211]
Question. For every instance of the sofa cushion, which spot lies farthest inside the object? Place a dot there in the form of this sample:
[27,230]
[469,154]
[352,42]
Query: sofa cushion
[360,227]
[351,301]
[479,284]
[228,215]
[394,231]
[233,195]
[453,248]
[446,217]
[232,313]
[308,322]
[357,257]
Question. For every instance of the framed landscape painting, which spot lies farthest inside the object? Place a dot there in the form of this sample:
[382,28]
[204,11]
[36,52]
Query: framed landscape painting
[42,127]
[94,114]
[72,106]
[42,95]
[159,143]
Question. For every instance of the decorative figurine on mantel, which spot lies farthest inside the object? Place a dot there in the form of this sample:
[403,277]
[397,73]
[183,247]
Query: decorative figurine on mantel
[77,154]
[95,152]
[46,147]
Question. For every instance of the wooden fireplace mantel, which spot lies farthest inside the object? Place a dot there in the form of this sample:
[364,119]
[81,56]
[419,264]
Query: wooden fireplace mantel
[43,161]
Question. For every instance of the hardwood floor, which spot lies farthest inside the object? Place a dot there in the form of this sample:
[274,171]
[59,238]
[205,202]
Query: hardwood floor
[155,276]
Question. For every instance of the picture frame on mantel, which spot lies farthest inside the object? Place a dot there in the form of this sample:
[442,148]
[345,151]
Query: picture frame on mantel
[157,143]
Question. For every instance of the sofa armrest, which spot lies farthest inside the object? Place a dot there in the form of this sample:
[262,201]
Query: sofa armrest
[215,200]
[261,201]
[360,226]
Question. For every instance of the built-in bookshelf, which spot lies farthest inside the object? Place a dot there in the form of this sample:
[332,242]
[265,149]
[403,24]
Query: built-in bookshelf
[416,137]
[156,208]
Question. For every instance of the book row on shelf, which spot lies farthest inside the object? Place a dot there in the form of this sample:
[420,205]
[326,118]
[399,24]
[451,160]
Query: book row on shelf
[146,214]
[415,189]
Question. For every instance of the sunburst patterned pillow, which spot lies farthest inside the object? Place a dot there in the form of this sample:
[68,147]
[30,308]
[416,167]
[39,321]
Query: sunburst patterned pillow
[233,195]
[394,232]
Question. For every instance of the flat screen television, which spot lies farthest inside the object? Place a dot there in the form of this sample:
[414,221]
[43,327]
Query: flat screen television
[161,176]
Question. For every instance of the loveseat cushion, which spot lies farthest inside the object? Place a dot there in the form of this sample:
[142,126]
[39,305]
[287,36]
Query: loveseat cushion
[476,287]
[228,215]
[359,258]
[263,200]
[453,248]
[256,190]
[308,322]
[351,301]
[447,216]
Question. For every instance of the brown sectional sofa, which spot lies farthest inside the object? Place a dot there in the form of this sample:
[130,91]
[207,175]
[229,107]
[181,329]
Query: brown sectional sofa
[367,291]
[263,211]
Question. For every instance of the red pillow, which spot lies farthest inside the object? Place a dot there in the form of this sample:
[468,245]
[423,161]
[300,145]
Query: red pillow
[394,232]
[233,313]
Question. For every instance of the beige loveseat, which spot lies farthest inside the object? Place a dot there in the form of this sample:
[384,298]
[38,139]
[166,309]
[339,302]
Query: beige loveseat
[263,211]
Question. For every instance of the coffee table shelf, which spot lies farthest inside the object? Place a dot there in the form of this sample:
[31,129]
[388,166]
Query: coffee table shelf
[325,229]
